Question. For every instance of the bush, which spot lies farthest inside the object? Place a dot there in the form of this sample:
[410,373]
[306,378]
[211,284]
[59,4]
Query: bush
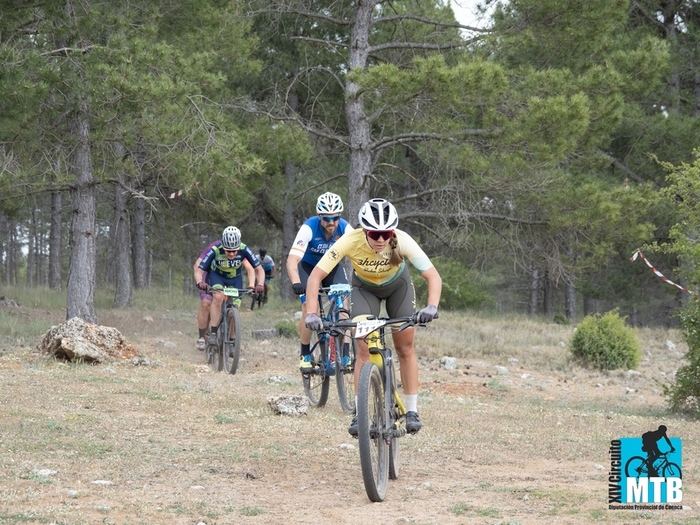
[461,286]
[605,342]
[684,394]
[287,329]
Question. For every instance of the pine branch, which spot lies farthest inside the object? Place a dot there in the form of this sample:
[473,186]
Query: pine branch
[415,45]
[416,137]
[401,18]
[474,215]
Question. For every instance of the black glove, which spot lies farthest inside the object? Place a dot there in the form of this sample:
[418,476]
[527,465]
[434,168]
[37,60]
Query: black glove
[313,322]
[202,286]
[427,314]
[259,288]
[298,288]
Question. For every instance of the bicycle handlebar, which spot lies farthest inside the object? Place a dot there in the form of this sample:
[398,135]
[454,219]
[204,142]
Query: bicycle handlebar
[405,322]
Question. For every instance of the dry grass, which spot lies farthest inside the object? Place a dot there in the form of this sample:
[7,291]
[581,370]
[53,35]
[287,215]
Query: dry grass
[181,444]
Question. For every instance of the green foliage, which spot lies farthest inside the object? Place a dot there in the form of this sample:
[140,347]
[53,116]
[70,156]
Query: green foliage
[605,342]
[684,394]
[461,286]
[287,328]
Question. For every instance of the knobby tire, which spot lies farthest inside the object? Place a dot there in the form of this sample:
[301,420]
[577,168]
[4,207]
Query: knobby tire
[316,383]
[232,347]
[344,377]
[374,450]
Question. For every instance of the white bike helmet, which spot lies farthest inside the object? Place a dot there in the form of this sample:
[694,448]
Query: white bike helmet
[231,238]
[378,214]
[329,204]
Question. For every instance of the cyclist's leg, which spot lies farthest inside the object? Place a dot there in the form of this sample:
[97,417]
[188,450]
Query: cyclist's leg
[203,318]
[304,333]
[339,276]
[364,303]
[402,303]
[218,299]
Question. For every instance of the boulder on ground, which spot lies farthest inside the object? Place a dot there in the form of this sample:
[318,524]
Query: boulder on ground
[78,340]
[289,405]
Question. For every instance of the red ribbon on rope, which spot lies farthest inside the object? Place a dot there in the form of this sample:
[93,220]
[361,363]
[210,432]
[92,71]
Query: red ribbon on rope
[661,276]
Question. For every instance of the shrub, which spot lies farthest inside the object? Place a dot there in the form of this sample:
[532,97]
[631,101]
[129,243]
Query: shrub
[287,328]
[684,394]
[605,342]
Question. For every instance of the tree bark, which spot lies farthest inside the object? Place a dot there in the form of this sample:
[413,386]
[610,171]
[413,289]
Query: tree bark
[696,92]
[31,249]
[4,246]
[546,294]
[535,285]
[81,272]
[139,243]
[358,124]
[288,223]
[570,299]
[122,241]
[55,241]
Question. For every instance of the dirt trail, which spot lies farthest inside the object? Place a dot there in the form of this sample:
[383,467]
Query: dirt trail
[179,444]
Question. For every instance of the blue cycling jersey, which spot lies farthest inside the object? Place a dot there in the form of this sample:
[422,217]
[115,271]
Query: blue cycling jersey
[319,244]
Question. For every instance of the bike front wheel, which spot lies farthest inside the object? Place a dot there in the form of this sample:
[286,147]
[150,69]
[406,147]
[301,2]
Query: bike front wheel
[636,467]
[374,450]
[232,344]
[345,374]
[316,381]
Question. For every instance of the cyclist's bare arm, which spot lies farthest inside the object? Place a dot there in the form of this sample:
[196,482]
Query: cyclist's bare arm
[198,272]
[259,275]
[432,277]
[250,273]
[313,285]
[293,268]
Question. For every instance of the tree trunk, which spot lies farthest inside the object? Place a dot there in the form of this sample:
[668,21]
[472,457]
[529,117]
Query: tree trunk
[546,294]
[589,305]
[535,285]
[122,241]
[288,231]
[31,250]
[696,92]
[139,243]
[81,272]
[4,246]
[12,250]
[570,299]
[55,241]
[359,131]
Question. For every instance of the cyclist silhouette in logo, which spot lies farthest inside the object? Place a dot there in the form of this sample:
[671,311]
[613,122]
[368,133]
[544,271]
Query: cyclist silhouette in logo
[649,445]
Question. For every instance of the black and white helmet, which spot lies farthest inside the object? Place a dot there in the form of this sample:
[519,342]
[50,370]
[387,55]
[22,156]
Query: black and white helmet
[231,238]
[329,204]
[378,214]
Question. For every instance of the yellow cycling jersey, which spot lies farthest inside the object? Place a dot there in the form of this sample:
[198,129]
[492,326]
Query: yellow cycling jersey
[372,267]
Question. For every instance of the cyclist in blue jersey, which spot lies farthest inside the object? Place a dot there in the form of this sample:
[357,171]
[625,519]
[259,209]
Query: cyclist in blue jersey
[268,265]
[314,238]
[222,265]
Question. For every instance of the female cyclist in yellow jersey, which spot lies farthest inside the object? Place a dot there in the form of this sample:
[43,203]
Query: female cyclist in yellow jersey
[378,251]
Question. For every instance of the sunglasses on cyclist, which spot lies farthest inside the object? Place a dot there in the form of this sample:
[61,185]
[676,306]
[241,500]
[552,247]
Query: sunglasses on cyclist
[230,251]
[330,218]
[375,235]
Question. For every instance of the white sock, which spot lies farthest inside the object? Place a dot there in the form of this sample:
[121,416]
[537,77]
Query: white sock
[411,401]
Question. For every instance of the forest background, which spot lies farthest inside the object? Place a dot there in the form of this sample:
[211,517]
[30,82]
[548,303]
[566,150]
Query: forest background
[530,156]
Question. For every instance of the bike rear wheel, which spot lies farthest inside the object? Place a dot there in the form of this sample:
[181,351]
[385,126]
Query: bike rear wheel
[345,375]
[374,450]
[316,381]
[232,344]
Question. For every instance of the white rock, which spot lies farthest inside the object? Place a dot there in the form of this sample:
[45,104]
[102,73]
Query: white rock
[670,345]
[72,493]
[297,316]
[102,482]
[43,472]
[347,446]
[448,363]
[501,370]
[196,487]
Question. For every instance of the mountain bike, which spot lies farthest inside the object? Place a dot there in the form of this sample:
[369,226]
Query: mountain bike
[380,410]
[225,354]
[329,355]
[636,467]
